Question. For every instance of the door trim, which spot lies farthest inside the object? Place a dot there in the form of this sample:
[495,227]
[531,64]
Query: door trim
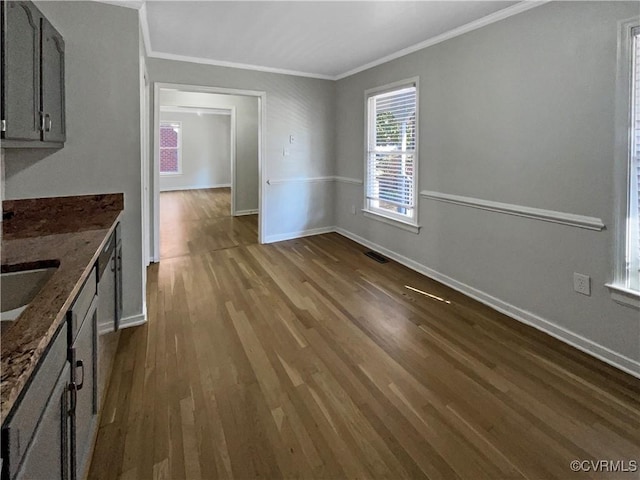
[155,185]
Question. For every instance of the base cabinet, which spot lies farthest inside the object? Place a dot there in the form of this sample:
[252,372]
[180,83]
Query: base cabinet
[110,284]
[36,434]
[84,420]
[49,432]
[48,457]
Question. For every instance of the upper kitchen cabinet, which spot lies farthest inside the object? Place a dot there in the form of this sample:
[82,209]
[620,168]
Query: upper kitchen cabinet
[33,103]
[52,82]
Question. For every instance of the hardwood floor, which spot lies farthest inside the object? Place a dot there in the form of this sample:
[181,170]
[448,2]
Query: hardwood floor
[306,359]
[197,221]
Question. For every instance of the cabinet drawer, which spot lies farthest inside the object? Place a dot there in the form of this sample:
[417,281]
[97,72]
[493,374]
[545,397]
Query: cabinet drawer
[24,421]
[82,303]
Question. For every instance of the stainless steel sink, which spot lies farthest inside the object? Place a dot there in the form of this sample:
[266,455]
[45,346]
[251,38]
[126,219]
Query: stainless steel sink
[17,289]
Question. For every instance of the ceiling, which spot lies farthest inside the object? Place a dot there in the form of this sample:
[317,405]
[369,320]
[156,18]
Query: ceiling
[325,39]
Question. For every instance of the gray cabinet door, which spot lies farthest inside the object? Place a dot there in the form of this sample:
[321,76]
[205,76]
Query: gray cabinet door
[21,71]
[52,73]
[48,455]
[107,295]
[83,374]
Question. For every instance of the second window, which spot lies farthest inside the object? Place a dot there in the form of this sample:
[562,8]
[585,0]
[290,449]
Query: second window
[392,152]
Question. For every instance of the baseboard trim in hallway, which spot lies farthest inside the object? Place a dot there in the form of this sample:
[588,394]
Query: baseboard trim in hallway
[195,187]
[133,320]
[280,237]
[241,213]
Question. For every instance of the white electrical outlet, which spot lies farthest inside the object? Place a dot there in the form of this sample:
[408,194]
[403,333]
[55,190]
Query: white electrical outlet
[582,283]
[292,139]
[353,209]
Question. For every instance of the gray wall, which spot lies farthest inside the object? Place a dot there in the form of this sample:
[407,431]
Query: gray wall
[246,171]
[206,151]
[302,107]
[102,152]
[522,112]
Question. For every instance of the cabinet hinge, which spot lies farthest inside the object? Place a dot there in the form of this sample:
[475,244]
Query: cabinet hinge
[3,126]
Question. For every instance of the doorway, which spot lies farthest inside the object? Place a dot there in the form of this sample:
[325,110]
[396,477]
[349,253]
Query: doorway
[245,193]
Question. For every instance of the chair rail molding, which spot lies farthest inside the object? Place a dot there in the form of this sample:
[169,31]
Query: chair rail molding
[276,181]
[329,178]
[570,219]
[353,181]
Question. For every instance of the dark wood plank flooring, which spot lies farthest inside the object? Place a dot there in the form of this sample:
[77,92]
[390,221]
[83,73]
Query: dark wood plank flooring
[306,359]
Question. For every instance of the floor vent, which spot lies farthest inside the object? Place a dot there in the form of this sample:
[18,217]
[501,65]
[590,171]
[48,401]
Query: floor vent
[376,256]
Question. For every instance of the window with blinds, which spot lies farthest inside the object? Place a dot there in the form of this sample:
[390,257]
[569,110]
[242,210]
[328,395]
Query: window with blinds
[392,153]
[633,219]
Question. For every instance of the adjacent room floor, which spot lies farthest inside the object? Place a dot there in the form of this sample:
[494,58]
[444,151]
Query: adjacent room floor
[306,359]
[197,221]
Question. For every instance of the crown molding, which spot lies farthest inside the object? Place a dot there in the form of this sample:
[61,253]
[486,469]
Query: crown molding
[516,9]
[456,32]
[243,66]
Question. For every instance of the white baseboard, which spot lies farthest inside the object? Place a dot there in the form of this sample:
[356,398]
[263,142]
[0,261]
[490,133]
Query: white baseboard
[134,320]
[105,328]
[302,233]
[600,352]
[240,213]
[194,187]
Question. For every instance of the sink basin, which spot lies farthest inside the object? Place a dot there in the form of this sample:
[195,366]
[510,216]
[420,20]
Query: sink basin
[17,289]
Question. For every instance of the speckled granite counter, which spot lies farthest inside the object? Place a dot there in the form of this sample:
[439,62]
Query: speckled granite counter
[65,231]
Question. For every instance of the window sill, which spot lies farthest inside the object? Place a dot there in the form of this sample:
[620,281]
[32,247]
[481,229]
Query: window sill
[624,296]
[170,174]
[409,227]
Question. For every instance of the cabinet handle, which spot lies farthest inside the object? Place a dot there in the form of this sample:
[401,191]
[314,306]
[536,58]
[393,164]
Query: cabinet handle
[113,263]
[42,121]
[81,365]
[48,118]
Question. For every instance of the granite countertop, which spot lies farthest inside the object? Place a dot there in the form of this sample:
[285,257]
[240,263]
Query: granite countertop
[65,231]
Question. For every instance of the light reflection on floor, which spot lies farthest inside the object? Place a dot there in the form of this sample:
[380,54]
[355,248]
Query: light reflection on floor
[440,299]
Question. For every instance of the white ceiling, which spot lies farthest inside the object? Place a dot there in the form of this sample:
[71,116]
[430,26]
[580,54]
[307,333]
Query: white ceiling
[325,39]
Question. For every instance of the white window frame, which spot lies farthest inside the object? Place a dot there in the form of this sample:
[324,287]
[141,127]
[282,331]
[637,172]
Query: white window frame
[621,288]
[385,216]
[178,148]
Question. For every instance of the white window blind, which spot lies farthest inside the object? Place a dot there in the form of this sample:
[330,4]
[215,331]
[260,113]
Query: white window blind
[633,223]
[392,153]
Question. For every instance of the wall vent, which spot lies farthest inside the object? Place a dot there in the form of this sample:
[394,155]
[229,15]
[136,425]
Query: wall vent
[376,256]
